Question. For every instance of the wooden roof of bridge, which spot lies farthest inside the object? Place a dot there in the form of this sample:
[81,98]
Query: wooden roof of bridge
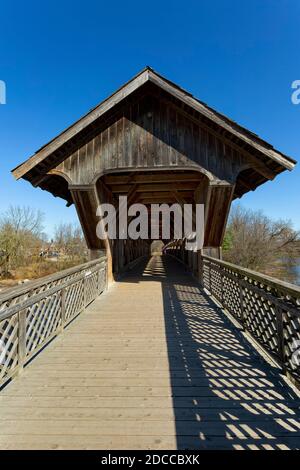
[36,168]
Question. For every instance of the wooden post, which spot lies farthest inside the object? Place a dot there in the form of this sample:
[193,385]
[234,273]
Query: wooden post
[101,196]
[217,205]
[243,320]
[200,268]
[280,336]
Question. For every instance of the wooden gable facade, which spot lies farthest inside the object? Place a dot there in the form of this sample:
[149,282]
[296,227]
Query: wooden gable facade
[154,142]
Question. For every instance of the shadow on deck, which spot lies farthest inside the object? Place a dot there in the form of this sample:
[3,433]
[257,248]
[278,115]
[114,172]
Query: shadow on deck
[151,364]
[225,395]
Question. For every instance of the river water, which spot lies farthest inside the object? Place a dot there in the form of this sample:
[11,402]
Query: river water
[291,271]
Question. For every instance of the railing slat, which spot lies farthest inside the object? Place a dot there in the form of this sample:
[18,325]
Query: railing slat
[21,338]
[280,335]
[63,307]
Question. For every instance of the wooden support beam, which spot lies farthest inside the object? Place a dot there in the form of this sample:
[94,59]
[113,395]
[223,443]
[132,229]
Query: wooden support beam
[125,188]
[163,194]
[218,202]
[149,201]
[86,205]
[155,177]
[103,195]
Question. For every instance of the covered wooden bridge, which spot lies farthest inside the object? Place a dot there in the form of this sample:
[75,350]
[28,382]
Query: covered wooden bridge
[183,350]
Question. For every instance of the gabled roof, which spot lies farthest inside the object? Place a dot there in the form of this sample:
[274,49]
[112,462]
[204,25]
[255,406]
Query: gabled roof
[51,154]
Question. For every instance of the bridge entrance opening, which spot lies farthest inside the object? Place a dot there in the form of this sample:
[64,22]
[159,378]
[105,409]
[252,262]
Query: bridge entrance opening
[157,247]
[168,191]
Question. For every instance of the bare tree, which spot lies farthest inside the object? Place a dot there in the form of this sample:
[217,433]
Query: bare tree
[255,241]
[69,239]
[21,233]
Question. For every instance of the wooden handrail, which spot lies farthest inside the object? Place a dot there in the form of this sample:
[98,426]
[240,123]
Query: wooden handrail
[31,316]
[14,291]
[283,286]
[8,312]
[267,308]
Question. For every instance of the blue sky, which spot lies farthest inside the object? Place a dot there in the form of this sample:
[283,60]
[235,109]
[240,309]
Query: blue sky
[61,58]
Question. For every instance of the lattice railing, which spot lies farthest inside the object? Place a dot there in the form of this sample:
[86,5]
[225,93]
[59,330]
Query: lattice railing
[31,315]
[267,308]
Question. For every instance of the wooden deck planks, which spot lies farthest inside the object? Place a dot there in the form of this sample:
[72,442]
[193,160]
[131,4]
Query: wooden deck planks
[151,364]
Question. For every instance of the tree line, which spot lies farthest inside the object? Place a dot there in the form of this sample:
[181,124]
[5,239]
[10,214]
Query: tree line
[252,240]
[255,241]
[23,240]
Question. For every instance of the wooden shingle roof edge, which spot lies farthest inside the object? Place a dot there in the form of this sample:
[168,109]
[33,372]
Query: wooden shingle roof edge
[149,75]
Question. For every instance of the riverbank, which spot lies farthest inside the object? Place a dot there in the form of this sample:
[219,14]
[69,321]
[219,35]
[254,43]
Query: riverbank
[38,268]
[286,269]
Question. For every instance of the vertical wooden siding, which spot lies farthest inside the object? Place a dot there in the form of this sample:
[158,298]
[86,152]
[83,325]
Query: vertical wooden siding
[152,133]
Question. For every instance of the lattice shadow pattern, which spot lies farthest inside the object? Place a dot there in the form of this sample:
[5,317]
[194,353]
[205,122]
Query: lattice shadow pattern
[268,309]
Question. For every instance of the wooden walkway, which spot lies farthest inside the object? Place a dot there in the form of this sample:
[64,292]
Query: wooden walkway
[151,364]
